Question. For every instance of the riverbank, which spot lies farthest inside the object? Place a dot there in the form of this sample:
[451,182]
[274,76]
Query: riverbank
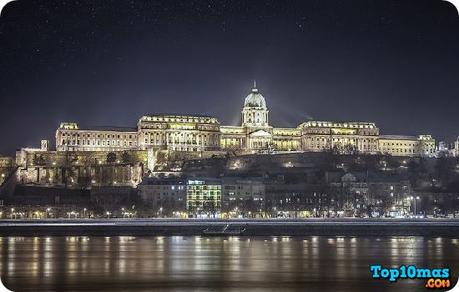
[271,227]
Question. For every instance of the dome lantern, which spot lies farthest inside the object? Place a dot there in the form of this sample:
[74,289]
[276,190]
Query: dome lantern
[255,99]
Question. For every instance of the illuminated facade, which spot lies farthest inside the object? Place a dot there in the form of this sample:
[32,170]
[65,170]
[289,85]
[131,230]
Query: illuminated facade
[203,196]
[70,137]
[166,132]
[456,147]
[396,145]
[343,137]
[426,145]
[255,133]
[195,133]
[6,164]
[179,133]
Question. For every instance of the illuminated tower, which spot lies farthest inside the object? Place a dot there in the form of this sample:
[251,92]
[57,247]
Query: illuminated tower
[255,112]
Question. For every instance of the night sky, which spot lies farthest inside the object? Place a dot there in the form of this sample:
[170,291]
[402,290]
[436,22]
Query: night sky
[103,63]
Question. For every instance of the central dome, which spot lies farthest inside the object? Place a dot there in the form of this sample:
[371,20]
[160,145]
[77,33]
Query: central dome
[255,99]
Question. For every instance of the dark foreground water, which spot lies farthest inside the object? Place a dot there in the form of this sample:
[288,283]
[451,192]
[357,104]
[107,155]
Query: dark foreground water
[178,263]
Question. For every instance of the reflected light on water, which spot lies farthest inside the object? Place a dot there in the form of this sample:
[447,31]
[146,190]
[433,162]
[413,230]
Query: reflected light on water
[181,263]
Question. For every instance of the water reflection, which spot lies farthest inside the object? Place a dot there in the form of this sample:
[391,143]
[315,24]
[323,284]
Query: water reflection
[180,263]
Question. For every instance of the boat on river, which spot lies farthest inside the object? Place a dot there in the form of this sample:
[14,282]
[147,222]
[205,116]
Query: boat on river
[226,230]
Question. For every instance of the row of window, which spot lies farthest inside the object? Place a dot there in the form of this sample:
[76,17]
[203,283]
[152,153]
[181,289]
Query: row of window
[94,135]
[203,187]
[399,144]
[397,150]
[198,193]
[176,134]
[181,119]
[323,139]
[99,143]
[160,196]
[339,125]
[242,199]
[201,203]
[187,142]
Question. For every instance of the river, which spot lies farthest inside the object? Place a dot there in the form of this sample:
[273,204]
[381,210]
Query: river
[195,263]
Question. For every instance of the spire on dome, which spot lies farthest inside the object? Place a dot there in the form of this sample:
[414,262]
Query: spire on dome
[255,99]
[254,89]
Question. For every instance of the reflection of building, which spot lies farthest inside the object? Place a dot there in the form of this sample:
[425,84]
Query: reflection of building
[396,145]
[456,147]
[195,133]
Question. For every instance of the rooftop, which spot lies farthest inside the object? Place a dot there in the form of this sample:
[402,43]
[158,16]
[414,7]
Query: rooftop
[344,124]
[196,118]
[397,137]
[109,128]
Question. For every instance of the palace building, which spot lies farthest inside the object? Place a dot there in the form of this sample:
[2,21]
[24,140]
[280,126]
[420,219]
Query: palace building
[255,133]
[398,145]
[167,132]
[179,133]
[344,137]
[197,133]
[70,137]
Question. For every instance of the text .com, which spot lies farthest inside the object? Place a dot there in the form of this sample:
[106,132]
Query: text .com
[437,278]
